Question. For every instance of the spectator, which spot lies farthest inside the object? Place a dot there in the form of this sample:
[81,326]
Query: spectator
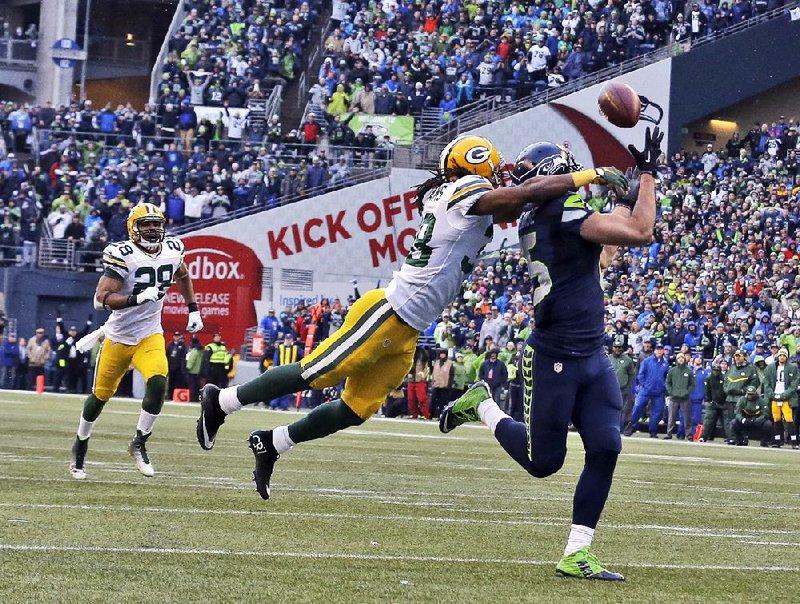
[652,387]
[751,418]
[286,353]
[9,362]
[442,374]
[781,380]
[194,361]
[38,353]
[625,370]
[176,364]
[680,383]
[418,380]
[494,373]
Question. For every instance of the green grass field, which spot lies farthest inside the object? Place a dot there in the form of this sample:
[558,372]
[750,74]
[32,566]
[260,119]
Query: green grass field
[390,512]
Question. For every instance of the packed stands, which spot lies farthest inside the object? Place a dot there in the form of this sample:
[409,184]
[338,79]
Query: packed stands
[89,166]
[224,53]
[399,58]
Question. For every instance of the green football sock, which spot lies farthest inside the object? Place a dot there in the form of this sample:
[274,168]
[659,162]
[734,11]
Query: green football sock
[273,383]
[323,421]
[154,392]
[92,408]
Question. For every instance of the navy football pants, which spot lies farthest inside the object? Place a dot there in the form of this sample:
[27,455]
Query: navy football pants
[556,392]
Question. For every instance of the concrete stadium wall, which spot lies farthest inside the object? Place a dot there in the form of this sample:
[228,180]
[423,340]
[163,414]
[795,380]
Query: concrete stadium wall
[34,297]
[722,74]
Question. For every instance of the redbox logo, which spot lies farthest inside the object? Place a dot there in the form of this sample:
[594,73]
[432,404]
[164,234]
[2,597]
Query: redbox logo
[226,275]
[203,267]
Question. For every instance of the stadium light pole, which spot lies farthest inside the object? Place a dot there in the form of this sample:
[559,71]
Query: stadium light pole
[85,48]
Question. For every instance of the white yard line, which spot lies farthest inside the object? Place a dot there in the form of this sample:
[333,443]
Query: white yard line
[675,530]
[369,557]
[398,498]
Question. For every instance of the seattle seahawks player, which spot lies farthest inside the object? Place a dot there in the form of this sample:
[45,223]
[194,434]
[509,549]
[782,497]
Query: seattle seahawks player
[137,273]
[374,349]
[567,376]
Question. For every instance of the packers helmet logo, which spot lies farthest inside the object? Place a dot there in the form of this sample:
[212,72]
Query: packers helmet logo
[477,155]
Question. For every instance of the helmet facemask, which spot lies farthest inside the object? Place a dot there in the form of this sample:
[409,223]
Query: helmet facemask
[149,232]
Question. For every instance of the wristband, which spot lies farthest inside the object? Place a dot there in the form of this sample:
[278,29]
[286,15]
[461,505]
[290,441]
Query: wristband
[192,307]
[625,203]
[584,177]
[132,300]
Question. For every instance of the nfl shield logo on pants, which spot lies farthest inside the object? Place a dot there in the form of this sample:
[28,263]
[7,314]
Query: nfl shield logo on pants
[557,367]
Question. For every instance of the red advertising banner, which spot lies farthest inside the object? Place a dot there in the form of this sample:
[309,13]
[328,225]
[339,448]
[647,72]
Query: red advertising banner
[226,276]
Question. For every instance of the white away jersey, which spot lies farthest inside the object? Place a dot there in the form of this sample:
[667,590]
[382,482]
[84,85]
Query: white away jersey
[139,270]
[447,243]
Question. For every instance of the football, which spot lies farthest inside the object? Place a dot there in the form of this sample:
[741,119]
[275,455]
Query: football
[619,104]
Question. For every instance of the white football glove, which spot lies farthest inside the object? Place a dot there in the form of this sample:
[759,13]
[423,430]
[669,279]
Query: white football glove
[151,294]
[195,322]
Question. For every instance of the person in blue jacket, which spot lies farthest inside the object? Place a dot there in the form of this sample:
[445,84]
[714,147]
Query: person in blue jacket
[270,326]
[701,372]
[652,380]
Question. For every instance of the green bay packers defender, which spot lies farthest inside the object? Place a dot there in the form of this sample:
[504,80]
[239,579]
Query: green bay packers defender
[137,273]
[375,347]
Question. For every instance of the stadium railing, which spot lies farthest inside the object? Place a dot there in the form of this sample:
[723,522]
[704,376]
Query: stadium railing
[18,52]
[282,201]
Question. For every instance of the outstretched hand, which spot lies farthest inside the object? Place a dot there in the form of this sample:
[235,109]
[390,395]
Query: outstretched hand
[647,158]
[611,177]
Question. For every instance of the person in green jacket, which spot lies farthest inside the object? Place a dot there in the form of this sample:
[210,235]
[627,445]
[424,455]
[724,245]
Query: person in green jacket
[625,370]
[460,375]
[471,363]
[194,361]
[752,417]
[680,383]
[714,398]
[781,380]
[740,375]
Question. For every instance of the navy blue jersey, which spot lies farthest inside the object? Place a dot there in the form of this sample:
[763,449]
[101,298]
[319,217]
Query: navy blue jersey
[565,269]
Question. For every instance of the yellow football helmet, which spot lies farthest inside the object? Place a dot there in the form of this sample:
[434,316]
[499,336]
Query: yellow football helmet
[474,155]
[153,234]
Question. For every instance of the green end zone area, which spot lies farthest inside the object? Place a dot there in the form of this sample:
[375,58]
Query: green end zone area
[392,511]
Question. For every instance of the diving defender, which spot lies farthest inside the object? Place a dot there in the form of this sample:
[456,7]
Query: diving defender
[375,347]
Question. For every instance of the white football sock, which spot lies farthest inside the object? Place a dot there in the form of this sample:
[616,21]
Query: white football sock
[281,440]
[228,400]
[146,422]
[491,414]
[85,428]
[579,537]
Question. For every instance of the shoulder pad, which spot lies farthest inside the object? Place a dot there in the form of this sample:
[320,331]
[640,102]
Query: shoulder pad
[467,187]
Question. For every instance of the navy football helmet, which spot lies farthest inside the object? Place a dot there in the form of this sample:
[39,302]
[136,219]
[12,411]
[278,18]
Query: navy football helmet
[543,158]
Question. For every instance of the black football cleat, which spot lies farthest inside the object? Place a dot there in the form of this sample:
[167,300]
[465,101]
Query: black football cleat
[261,445]
[211,416]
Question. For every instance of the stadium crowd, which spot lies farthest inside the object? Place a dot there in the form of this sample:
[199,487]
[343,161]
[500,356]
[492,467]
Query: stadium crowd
[226,52]
[401,57]
[94,164]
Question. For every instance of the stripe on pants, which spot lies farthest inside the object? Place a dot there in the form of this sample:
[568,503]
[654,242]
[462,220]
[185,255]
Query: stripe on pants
[363,328]
[528,356]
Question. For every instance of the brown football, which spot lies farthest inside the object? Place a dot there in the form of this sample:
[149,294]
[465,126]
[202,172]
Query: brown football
[619,104]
